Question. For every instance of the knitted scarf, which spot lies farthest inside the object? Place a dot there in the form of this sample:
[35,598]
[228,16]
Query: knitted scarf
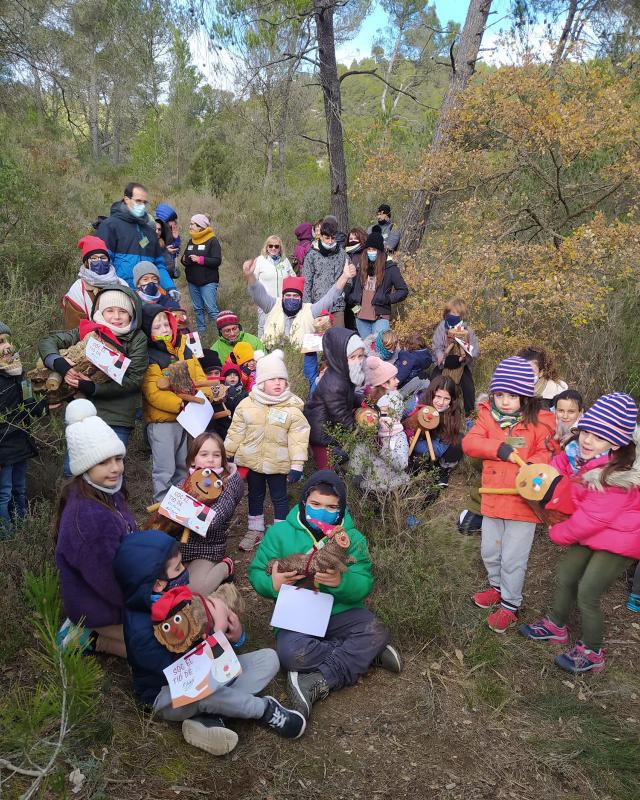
[380,349]
[200,237]
[99,281]
[505,420]
[269,399]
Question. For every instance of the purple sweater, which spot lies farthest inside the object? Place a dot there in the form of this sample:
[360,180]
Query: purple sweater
[88,538]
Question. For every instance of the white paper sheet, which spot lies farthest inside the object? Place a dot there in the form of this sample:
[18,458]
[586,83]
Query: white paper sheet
[196,416]
[302,610]
[111,361]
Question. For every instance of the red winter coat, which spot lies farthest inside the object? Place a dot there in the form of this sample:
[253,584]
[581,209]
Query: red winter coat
[602,517]
[483,441]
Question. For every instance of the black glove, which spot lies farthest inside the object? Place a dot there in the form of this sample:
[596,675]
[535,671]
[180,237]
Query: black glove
[87,388]
[549,493]
[61,366]
[451,362]
[504,451]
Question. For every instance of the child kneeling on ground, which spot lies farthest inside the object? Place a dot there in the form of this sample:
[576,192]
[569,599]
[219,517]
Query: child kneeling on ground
[355,638]
[146,565]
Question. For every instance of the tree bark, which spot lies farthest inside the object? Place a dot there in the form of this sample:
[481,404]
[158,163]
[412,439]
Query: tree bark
[423,200]
[93,104]
[562,42]
[323,11]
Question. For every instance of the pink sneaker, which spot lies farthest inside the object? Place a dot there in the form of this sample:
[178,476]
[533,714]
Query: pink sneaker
[489,597]
[580,660]
[501,619]
[545,630]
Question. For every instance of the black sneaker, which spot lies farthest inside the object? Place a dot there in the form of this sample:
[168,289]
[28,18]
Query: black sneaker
[443,478]
[389,659]
[305,688]
[209,733]
[469,523]
[284,721]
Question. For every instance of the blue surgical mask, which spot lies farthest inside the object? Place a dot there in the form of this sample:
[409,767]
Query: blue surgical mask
[291,305]
[322,515]
[99,267]
[372,256]
[452,320]
[138,210]
[181,580]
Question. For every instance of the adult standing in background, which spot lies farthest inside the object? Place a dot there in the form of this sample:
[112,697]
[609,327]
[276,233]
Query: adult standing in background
[323,267]
[131,237]
[201,259]
[271,268]
[390,235]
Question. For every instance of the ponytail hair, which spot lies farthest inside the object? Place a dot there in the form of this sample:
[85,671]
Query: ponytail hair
[621,460]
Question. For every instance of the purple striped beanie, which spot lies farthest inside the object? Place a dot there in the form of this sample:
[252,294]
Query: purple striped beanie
[515,376]
[612,417]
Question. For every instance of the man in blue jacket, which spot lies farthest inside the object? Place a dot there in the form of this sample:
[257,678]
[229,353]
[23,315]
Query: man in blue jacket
[131,237]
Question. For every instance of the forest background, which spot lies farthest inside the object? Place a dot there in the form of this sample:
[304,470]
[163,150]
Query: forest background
[513,172]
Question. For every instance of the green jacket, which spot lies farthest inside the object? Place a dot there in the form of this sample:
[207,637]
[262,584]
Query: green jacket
[291,536]
[224,348]
[116,404]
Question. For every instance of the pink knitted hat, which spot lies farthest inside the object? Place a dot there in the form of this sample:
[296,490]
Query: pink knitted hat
[377,371]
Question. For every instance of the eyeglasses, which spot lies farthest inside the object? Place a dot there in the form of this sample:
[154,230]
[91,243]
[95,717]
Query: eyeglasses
[273,247]
[95,259]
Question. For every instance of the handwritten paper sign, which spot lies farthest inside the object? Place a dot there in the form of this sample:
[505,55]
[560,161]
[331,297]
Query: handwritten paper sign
[194,344]
[109,360]
[302,610]
[196,416]
[186,510]
[199,672]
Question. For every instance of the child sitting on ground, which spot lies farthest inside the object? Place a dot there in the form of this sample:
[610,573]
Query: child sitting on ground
[384,345]
[548,382]
[512,421]
[205,555]
[413,361]
[453,360]
[167,438]
[147,281]
[236,392]
[569,407]
[269,435]
[355,639]
[146,565]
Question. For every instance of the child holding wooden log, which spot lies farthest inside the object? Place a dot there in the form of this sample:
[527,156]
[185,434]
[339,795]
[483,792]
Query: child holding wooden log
[510,428]
[452,358]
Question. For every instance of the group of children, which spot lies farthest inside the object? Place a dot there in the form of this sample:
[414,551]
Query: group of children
[116,580]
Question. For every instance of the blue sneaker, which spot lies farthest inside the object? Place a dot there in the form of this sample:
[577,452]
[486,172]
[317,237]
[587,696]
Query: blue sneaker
[633,603]
[580,660]
[412,521]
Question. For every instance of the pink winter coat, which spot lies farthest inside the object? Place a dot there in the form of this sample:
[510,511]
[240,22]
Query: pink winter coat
[602,517]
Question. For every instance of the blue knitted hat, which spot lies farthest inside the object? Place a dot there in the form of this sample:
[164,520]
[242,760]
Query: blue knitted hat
[612,417]
[515,376]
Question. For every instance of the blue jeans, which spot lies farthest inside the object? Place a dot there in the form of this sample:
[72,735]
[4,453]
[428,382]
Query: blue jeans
[204,298]
[123,433]
[366,328]
[13,490]
[257,490]
[310,369]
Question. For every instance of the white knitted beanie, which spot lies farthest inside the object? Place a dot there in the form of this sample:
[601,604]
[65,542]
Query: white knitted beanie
[89,439]
[271,366]
[114,298]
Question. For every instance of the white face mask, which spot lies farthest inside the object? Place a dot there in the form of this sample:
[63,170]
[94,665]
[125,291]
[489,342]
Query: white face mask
[356,372]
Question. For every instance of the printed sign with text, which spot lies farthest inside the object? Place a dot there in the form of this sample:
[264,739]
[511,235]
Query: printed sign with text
[109,360]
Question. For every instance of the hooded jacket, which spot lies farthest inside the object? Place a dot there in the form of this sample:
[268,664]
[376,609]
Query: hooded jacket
[483,441]
[411,364]
[603,517]
[333,400]
[130,240]
[139,562]
[304,235]
[393,289]
[115,403]
[390,234]
[162,405]
[16,417]
[321,269]
[293,535]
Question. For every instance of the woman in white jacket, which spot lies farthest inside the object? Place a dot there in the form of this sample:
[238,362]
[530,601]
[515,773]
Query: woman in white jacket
[272,267]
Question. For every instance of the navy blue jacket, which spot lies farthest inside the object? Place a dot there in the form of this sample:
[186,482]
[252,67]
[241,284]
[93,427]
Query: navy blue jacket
[139,562]
[410,363]
[122,233]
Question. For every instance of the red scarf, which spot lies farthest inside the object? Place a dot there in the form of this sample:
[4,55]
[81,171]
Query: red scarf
[87,326]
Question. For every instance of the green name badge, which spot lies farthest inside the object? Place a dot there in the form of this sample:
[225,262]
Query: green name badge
[27,389]
[517,442]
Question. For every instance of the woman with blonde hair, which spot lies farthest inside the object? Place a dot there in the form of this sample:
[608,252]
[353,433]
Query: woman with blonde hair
[272,267]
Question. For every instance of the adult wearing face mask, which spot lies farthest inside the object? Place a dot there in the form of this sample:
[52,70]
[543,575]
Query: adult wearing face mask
[289,317]
[130,236]
[272,267]
[376,288]
[96,272]
[333,401]
[390,235]
[322,267]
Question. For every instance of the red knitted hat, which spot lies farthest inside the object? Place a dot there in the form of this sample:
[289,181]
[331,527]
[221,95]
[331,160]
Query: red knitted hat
[226,318]
[231,367]
[161,609]
[293,284]
[90,245]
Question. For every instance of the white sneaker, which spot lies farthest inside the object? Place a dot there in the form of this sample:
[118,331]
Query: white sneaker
[209,734]
[250,540]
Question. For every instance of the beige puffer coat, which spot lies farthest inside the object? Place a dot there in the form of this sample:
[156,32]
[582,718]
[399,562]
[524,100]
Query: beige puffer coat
[270,439]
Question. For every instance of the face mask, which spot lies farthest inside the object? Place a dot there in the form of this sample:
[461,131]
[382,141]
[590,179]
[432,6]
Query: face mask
[372,256]
[321,518]
[165,337]
[99,267]
[181,580]
[138,210]
[291,305]
[452,320]
[150,289]
[356,373]
[331,246]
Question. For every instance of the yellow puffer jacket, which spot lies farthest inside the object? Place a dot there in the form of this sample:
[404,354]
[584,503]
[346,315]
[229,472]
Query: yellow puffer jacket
[270,439]
[162,405]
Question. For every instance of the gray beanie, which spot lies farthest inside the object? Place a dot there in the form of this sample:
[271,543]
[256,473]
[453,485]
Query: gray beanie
[4,329]
[144,268]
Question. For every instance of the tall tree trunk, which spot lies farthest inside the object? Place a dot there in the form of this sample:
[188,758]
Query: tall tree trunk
[323,11]
[566,30]
[269,166]
[463,66]
[93,104]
